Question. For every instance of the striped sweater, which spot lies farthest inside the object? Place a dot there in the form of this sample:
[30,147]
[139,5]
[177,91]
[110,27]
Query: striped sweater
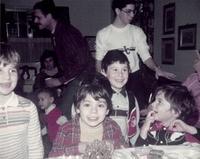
[20,136]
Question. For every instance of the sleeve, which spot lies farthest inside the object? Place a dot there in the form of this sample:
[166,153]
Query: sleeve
[35,145]
[63,143]
[118,138]
[100,46]
[141,142]
[190,81]
[76,54]
[142,46]
[145,142]
[197,135]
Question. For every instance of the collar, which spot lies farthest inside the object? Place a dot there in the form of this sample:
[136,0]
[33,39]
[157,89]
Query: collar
[49,109]
[123,92]
[157,125]
[12,101]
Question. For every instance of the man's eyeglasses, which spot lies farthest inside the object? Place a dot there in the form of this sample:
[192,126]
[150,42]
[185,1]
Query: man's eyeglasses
[129,11]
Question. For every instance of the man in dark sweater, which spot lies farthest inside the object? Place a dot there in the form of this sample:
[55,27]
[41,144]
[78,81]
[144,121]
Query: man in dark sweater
[71,49]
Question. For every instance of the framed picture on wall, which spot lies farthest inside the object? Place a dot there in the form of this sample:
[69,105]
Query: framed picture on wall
[187,37]
[169,18]
[168,52]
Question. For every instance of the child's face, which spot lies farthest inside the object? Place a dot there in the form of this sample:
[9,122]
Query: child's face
[92,112]
[45,100]
[161,108]
[8,77]
[49,63]
[117,74]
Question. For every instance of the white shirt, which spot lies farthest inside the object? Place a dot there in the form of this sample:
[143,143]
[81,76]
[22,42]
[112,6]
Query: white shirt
[131,38]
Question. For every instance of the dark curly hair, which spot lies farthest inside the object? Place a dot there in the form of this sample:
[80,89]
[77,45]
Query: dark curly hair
[95,85]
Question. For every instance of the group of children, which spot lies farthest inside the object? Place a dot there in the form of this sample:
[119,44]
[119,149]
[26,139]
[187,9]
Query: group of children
[104,112]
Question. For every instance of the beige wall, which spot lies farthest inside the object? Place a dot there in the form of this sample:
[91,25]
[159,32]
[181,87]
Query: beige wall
[187,12]
[87,15]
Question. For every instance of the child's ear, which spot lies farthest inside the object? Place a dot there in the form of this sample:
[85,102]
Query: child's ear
[117,11]
[107,112]
[176,113]
[77,111]
[52,99]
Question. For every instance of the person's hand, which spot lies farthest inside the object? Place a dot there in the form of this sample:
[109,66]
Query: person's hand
[165,74]
[147,123]
[150,117]
[180,126]
[52,82]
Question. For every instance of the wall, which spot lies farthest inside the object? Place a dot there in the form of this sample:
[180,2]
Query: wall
[87,15]
[187,12]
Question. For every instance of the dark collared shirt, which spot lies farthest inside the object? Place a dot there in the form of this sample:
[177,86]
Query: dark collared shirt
[160,135]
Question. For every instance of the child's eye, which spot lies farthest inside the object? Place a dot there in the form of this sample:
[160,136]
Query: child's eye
[86,105]
[101,105]
[125,70]
[159,101]
[13,70]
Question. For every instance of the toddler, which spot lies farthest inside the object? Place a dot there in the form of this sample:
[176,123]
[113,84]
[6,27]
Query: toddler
[53,116]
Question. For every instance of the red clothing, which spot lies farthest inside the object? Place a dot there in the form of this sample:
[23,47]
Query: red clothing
[68,137]
[50,120]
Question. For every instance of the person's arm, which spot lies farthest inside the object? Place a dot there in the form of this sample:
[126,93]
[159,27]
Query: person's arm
[35,146]
[158,71]
[100,49]
[143,51]
[147,123]
[181,126]
[74,57]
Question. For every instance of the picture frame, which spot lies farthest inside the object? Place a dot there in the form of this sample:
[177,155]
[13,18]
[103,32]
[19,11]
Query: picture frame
[168,50]
[169,18]
[187,37]
[91,40]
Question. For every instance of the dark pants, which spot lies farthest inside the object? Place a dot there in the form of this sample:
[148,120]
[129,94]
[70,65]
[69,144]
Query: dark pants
[68,97]
[137,86]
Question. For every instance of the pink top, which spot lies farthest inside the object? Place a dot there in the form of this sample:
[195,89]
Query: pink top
[52,126]
[193,84]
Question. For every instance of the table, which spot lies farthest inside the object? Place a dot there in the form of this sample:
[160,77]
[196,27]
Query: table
[186,151]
